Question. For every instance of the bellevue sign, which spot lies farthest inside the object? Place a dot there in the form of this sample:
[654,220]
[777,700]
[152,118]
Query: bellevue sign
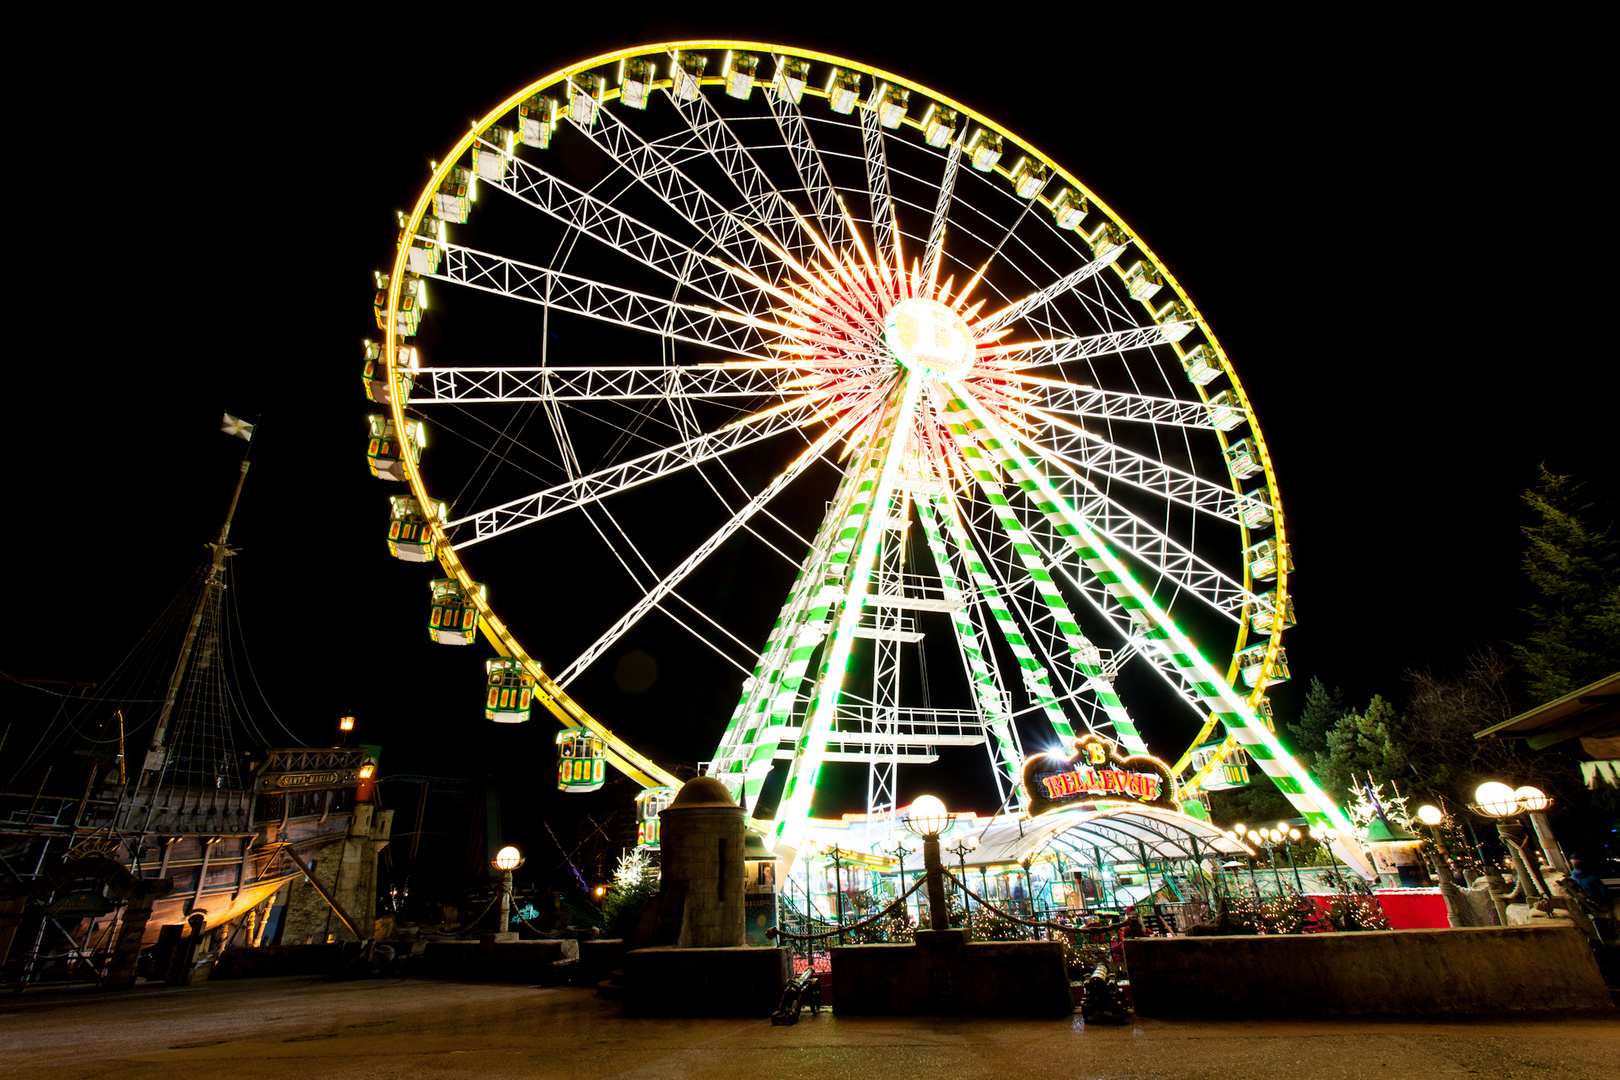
[1094,770]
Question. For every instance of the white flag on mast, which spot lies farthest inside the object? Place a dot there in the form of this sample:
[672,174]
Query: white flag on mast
[240,428]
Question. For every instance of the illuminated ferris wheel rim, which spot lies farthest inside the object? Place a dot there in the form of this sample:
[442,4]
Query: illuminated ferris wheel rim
[566,710]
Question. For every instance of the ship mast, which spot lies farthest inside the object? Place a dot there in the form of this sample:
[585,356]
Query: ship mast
[155,753]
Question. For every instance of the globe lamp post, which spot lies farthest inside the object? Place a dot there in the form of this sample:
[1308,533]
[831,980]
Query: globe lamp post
[1432,816]
[960,850]
[507,860]
[927,819]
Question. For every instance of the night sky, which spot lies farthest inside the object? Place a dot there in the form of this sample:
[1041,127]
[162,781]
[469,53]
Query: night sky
[1391,229]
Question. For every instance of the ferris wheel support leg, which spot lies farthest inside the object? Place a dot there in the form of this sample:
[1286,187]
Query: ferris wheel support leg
[1291,779]
[861,527]
[1006,755]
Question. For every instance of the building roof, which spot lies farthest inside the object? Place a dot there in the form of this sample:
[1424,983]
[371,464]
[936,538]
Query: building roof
[1591,713]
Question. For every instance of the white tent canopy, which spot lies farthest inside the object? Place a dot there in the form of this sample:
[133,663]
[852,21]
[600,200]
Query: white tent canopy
[1119,833]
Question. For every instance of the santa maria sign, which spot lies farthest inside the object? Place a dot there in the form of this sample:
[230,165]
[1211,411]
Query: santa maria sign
[1095,771]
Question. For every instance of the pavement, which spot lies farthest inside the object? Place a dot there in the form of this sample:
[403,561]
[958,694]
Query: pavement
[304,1027]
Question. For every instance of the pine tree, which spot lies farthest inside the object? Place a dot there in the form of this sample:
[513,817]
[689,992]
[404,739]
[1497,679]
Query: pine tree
[1361,744]
[1574,564]
[1322,710]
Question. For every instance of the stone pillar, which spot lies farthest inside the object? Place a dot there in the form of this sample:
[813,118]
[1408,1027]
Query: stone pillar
[143,893]
[702,834]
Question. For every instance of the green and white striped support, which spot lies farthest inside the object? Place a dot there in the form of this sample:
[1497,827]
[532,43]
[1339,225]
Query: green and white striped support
[764,713]
[1006,754]
[1081,650]
[1160,632]
[861,530]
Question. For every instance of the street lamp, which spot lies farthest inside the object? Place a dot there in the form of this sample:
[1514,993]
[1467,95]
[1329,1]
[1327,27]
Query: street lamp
[1287,834]
[899,852]
[1242,834]
[927,819]
[346,727]
[1432,817]
[960,850]
[1496,800]
[507,860]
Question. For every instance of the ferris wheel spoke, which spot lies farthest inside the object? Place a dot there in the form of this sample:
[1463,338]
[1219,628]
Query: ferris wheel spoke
[696,325]
[609,481]
[942,212]
[1170,560]
[697,382]
[1067,350]
[807,160]
[1085,451]
[1063,398]
[1041,297]
[656,594]
[884,237]
[772,210]
[590,216]
[658,170]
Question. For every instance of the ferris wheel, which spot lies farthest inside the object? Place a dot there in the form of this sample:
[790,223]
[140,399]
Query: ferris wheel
[732,303]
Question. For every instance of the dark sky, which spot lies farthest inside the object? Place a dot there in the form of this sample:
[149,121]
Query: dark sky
[1393,228]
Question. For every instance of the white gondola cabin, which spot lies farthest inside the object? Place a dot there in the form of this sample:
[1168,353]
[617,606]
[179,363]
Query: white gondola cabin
[983,149]
[537,119]
[636,78]
[585,96]
[1201,364]
[1226,411]
[649,804]
[1256,508]
[426,244]
[454,617]
[843,91]
[581,760]
[509,690]
[453,201]
[1142,280]
[1029,178]
[1105,239]
[939,126]
[1265,557]
[1266,619]
[1231,772]
[492,154]
[1243,458]
[890,103]
[791,77]
[387,449]
[412,302]
[1069,209]
[376,378]
[409,537]
[738,71]
[1251,661]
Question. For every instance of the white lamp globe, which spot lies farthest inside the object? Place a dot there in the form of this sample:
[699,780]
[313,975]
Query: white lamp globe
[1430,815]
[508,858]
[928,816]
[1497,800]
[1532,799]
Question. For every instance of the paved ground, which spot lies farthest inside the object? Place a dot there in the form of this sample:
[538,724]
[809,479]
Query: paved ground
[300,1027]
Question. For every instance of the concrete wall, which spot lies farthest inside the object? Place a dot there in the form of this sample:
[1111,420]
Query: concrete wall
[701,858]
[704,982]
[1390,972]
[943,975]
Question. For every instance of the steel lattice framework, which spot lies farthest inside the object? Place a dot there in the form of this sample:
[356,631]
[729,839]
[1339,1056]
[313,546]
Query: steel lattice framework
[1045,463]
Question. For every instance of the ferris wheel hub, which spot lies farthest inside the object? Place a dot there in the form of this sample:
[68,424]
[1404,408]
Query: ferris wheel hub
[929,338]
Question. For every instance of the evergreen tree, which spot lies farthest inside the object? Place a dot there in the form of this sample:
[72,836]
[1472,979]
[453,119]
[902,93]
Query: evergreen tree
[1574,564]
[1361,744]
[1321,711]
